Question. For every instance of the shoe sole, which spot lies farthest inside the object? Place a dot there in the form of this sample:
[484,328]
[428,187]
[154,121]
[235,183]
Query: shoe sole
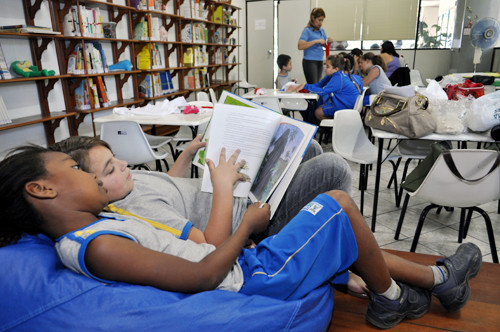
[399,319]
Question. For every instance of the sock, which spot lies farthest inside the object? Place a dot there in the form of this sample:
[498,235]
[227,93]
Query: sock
[393,292]
[440,274]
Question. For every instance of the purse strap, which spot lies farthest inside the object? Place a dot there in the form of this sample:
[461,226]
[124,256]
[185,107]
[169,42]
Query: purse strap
[453,168]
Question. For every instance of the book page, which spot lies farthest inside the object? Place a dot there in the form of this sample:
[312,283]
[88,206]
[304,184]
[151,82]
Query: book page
[227,98]
[281,161]
[235,127]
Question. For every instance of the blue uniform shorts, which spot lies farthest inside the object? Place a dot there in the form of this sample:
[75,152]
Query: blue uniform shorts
[316,247]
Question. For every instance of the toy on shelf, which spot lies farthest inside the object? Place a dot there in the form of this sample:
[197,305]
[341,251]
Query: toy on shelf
[124,65]
[25,69]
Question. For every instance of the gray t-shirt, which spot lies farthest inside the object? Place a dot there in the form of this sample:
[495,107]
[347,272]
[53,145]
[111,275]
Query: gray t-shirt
[377,84]
[71,247]
[282,80]
[173,201]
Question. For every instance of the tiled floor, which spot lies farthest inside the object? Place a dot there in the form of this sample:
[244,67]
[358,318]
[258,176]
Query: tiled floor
[440,232]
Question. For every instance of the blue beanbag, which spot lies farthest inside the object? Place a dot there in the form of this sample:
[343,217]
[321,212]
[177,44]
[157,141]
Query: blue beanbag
[39,292]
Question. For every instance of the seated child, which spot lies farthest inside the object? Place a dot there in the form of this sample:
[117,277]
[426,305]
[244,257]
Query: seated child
[285,65]
[336,90]
[179,202]
[45,191]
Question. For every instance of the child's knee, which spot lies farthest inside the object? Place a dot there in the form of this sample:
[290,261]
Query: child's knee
[342,198]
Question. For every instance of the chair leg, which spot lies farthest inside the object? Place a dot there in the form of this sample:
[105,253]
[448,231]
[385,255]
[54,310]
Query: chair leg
[166,164]
[158,165]
[362,185]
[461,226]
[467,223]
[401,217]
[394,178]
[491,235]
[421,220]
[403,178]
[498,209]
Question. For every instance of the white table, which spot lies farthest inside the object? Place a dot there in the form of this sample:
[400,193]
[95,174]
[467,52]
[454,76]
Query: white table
[382,134]
[190,120]
[282,95]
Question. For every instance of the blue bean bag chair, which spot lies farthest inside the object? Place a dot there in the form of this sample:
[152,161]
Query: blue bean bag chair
[39,293]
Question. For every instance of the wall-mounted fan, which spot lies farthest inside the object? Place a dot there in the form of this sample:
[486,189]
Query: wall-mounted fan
[484,34]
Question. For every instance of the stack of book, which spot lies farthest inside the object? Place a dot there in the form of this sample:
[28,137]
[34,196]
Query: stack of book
[23,28]
[157,84]
[148,5]
[94,60]
[4,66]
[91,22]
[4,115]
[91,94]
[197,79]
[147,59]
[148,28]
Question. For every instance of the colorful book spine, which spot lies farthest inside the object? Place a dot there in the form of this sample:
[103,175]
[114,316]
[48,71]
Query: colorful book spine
[4,67]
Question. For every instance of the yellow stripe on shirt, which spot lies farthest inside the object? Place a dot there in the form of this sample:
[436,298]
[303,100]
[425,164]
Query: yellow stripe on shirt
[155,224]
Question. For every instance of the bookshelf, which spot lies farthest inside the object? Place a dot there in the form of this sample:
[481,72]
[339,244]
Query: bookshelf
[214,56]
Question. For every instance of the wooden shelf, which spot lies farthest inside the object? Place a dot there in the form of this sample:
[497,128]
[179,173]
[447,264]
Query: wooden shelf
[34,119]
[113,104]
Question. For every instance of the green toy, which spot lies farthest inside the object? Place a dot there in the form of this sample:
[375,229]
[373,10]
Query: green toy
[24,68]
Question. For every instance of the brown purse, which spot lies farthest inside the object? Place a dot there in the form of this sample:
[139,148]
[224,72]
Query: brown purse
[406,116]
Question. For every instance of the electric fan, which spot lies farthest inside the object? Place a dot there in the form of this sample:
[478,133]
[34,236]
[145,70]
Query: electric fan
[484,34]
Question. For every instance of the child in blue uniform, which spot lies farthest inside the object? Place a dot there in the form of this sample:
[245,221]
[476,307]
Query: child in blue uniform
[336,90]
[45,191]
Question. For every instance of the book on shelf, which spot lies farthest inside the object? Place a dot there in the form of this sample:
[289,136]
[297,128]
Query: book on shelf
[4,114]
[91,93]
[95,59]
[24,28]
[4,66]
[271,159]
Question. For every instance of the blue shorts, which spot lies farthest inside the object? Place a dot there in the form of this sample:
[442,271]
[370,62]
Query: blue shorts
[316,247]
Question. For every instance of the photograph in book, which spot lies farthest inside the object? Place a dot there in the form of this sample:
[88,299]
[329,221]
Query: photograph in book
[281,152]
[271,144]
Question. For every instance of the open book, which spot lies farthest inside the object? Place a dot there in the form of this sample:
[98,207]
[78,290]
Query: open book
[271,144]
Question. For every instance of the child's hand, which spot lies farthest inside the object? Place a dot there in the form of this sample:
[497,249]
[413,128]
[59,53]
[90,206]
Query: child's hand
[194,146]
[227,172]
[258,216]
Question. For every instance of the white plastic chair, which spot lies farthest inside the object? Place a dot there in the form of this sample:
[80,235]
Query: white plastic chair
[411,149]
[244,85]
[328,123]
[290,105]
[349,140]
[474,184]
[213,97]
[269,102]
[130,143]
[415,78]
[202,96]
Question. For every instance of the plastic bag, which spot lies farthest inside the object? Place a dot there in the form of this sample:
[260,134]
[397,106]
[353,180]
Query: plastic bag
[484,113]
[449,115]
[433,91]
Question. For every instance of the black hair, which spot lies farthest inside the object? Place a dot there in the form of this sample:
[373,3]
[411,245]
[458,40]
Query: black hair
[388,47]
[357,52]
[283,60]
[375,59]
[77,147]
[17,215]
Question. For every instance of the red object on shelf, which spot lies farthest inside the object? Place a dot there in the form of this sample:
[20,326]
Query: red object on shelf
[327,50]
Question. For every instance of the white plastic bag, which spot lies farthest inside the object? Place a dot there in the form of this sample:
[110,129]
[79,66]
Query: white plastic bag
[449,115]
[433,91]
[484,113]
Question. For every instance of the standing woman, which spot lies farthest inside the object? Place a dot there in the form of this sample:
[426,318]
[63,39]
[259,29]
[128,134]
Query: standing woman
[390,57]
[311,41]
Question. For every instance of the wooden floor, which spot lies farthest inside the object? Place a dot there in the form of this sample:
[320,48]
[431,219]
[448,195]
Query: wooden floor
[481,313]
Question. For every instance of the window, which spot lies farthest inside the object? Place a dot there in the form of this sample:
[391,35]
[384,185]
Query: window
[365,24]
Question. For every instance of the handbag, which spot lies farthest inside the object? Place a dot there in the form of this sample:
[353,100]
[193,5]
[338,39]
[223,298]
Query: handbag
[464,89]
[406,116]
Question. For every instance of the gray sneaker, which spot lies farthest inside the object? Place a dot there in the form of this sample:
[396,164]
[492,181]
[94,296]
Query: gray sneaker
[462,266]
[384,313]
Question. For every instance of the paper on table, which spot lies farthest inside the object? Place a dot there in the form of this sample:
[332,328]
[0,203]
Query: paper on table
[160,108]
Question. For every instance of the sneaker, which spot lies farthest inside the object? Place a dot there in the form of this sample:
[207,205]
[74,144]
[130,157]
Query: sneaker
[384,313]
[462,266]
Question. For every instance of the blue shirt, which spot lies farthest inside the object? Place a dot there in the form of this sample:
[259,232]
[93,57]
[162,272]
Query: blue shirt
[339,87]
[314,52]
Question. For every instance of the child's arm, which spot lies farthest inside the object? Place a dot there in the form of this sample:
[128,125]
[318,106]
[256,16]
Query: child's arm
[373,74]
[224,176]
[296,88]
[182,163]
[116,258]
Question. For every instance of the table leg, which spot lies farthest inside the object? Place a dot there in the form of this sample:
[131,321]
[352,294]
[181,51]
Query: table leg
[377,182]
[194,169]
